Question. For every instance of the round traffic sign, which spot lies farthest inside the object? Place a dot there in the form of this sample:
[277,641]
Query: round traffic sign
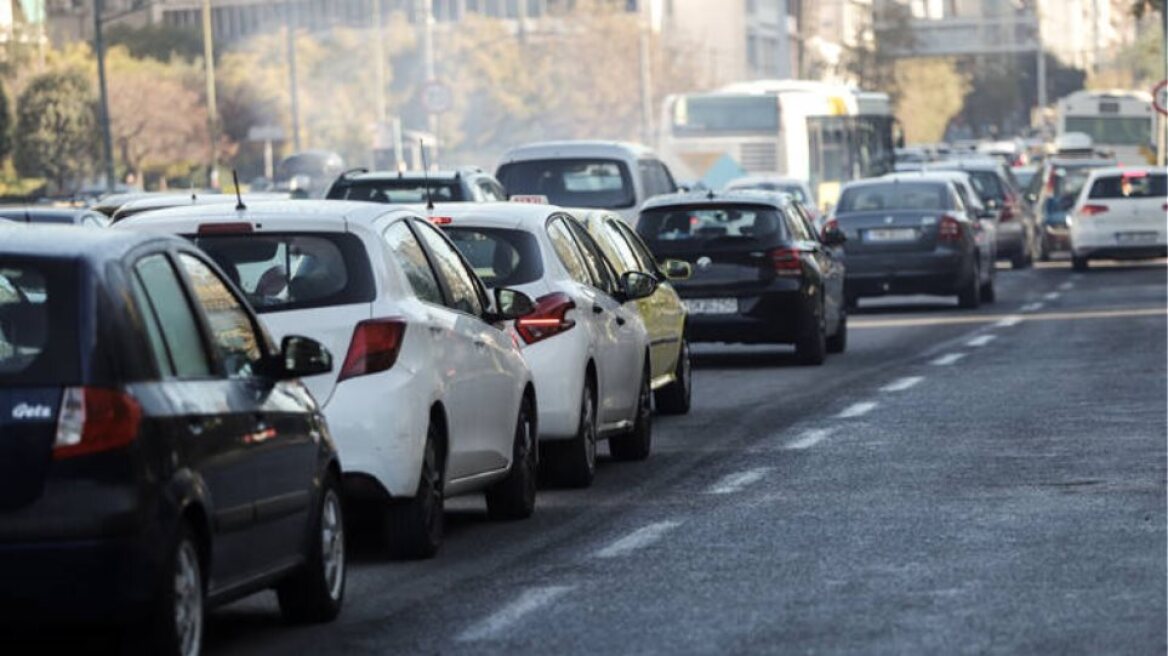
[437,97]
[1160,97]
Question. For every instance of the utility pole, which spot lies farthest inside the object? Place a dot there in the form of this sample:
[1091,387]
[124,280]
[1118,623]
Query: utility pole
[107,141]
[290,7]
[646,74]
[212,105]
[379,72]
[425,14]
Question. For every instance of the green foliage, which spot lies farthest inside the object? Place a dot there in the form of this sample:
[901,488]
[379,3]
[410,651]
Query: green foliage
[872,62]
[161,42]
[932,92]
[56,128]
[1140,8]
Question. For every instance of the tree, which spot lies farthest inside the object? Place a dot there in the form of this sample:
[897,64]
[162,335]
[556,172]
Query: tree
[161,42]
[932,92]
[1140,8]
[56,127]
[872,62]
[5,126]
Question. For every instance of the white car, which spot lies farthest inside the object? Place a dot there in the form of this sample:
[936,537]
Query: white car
[433,398]
[1120,214]
[587,345]
[798,189]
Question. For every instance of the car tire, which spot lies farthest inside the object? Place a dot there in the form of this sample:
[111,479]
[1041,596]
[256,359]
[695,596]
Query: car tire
[176,623]
[675,398]
[811,345]
[514,496]
[838,343]
[414,527]
[1020,261]
[969,298]
[1079,263]
[572,463]
[988,293]
[316,593]
[1044,250]
[851,301]
[638,442]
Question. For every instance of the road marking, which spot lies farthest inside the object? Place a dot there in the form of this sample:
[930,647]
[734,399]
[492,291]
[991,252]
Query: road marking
[531,600]
[857,409]
[901,384]
[735,482]
[641,537]
[946,360]
[1033,307]
[810,438]
[981,340]
[1013,320]
[1067,286]
[1051,296]
[997,318]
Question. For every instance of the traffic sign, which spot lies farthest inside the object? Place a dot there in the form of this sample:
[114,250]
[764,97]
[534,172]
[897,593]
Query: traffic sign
[1160,97]
[437,97]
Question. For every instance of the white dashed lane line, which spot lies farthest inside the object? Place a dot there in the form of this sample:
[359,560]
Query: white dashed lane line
[642,537]
[981,340]
[946,360]
[1066,286]
[735,482]
[1033,307]
[530,601]
[901,384]
[1051,296]
[1012,320]
[857,410]
[810,438]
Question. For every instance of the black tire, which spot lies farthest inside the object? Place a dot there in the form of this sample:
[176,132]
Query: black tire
[838,343]
[1079,263]
[316,592]
[514,496]
[638,442]
[572,463]
[969,297]
[811,346]
[1044,249]
[414,527]
[988,293]
[176,623]
[851,301]
[674,398]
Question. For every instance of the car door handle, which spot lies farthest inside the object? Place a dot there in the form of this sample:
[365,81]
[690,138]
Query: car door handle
[480,344]
[196,426]
[435,330]
[620,321]
[596,308]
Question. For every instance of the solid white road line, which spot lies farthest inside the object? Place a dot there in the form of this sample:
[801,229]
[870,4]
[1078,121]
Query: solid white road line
[735,482]
[810,438]
[531,600]
[641,537]
[857,409]
[981,340]
[946,360]
[1009,321]
[1066,286]
[1051,296]
[1033,307]
[901,384]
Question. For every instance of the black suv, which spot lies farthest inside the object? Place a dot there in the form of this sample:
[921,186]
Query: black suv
[467,185]
[159,456]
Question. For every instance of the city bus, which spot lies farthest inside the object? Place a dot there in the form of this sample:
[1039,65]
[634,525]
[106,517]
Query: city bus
[826,134]
[1119,123]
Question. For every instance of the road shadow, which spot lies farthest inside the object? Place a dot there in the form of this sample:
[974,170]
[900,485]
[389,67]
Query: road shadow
[904,305]
[744,357]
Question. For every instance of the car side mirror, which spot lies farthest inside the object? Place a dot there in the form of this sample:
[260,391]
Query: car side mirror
[301,357]
[834,236]
[510,304]
[636,285]
[677,269]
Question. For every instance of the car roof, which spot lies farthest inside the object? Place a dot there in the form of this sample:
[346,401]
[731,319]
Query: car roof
[1120,170]
[65,241]
[773,178]
[897,178]
[18,213]
[1081,162]
[577,148]
[497,214]
[968,164]
[441,176]
[313,215]
[712,198]
[955,175]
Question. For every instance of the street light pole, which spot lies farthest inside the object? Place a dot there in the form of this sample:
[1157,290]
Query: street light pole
[292,79]
[212,111]
[107,140]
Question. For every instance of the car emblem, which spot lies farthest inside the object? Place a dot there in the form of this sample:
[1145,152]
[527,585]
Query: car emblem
[888,220]
[704,262]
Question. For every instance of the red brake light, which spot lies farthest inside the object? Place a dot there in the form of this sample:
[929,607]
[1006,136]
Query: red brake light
[94,419]
[547,319]
[1092,210]
[441,220]
[787,261]
[374,347]
[235,228]
[829,226]
[949,229]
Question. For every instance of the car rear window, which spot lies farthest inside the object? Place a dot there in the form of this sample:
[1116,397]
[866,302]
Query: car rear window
[291,271]
[703,224]
[894,196]
[1138,184]
[502,258]
[988,184]
[599,183]
[794,191]
[397,191]
[39,324]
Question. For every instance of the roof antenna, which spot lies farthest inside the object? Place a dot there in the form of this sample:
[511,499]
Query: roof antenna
[239,206]
[426,175]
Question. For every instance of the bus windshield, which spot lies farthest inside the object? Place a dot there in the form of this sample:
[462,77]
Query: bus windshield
[725,114]
[1113,130]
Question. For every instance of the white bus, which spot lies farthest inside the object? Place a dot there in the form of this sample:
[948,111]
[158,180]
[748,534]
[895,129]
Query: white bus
[824,133]
[1120,122]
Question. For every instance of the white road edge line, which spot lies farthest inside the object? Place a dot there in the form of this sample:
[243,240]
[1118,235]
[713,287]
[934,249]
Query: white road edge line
[639,538]
[810,438]
[735,482]
[901,384]
[531,600]
[1033,307]
[981,340]
[1012,320]
[1050,296]
[946,360]
[857,409]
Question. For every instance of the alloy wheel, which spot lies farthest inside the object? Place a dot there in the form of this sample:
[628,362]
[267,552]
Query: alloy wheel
[188,600]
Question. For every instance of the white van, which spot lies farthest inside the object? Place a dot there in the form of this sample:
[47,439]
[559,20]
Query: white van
[609,175]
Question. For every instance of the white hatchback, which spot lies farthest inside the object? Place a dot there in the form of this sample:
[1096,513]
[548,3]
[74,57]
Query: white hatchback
[1121,213]
[586,343]
[433,397]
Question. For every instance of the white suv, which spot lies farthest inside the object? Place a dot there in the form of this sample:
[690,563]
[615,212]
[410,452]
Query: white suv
[433,397]
[586,343]
[1120,214]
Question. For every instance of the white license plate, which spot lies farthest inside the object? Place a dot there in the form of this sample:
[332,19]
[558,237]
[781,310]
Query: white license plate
[1136,237]
[711,305]
[890,234]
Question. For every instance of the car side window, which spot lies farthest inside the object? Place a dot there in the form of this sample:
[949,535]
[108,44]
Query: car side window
[233,334]
[647,263]
[628,259]
[414,263]
[180,350]
[568,252]
[598,264]
[795,225]
[488,192]
[805,218]
[450,267]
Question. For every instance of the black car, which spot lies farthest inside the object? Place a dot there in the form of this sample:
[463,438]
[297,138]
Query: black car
[909,236]
[467,185]
[157,455]
[60,216]
[761,273]
[1019,234]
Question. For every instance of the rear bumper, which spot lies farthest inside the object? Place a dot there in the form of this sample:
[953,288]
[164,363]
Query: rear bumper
[1123,252]
[939,272]
[1011,239]
[770,317]
[557,368]
[1103,241]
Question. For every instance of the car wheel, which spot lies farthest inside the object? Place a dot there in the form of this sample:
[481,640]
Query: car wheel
[572,463]
[414,527]
[514,496]
[674,398]
[1079,262]
[838,342]
[811,346]
[175,626]
[970,295]
[851,301]
[317,591]
[988,294]
[1044,249]
[638,442]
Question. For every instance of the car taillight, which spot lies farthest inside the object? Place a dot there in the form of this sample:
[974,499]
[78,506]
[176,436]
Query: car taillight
[949,229]
[1092,210]
[547,319]
[787,261]
[1007,212]
[829,226]
[95,419]
[374,347]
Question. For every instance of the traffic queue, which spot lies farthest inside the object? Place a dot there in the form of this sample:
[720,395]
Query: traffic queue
[200,401]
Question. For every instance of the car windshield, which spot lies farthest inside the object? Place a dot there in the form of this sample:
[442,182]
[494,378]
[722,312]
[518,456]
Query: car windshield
[598,183]
[502,258]
[894,196]
[793,190]
[294,271]
[397,191]
[703,224]
[39,302]
[1136,184]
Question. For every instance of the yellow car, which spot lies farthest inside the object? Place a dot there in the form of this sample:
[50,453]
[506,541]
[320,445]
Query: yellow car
[663,312]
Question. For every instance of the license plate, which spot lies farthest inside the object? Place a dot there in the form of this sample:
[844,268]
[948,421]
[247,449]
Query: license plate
[711,305]
[1136,237]
[890,234]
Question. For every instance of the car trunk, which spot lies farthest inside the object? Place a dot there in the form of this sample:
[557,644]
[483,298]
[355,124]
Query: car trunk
[740,264]
[331,326]
[890,231]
